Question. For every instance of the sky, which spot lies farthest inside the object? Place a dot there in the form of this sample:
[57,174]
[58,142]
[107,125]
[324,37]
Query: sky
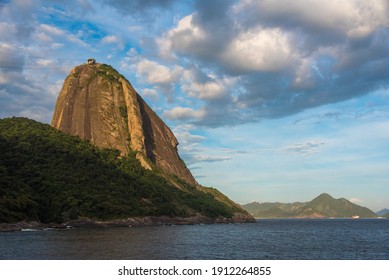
[270,100]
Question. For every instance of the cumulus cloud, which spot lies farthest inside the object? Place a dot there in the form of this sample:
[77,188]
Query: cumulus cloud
[162,78]
[192,81]
[259,49]
[354,19]
[156,73]
[239,61]
[203,86]
[287,56]
[187,38]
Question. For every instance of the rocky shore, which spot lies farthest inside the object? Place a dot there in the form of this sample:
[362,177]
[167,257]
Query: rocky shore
[129,222]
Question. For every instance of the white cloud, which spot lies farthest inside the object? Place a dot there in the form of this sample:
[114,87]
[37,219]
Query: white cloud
[210,158]
[156,73]
[180,113]
[206,87]
[307,149]
[44,31]
[150,93]
[186,37]
[51,30]
[109,39]
[259,49]
[356,200]
[45,62]
[187,138]
[355,18]
[207,90]
[113,39]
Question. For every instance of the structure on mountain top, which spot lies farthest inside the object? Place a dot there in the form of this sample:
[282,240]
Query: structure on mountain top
[91,61]
[98,104]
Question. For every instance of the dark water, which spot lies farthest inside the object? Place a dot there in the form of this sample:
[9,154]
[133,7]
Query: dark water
[267,239]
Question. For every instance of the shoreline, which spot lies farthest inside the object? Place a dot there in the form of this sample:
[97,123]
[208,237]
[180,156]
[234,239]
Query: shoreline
[129,222]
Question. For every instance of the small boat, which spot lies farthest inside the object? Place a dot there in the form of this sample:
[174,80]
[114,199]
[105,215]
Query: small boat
[355,217]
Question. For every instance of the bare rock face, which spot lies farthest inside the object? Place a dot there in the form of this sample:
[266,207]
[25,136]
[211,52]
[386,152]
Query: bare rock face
[98,104]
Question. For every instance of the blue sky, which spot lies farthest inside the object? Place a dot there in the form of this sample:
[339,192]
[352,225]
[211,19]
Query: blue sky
[270,100]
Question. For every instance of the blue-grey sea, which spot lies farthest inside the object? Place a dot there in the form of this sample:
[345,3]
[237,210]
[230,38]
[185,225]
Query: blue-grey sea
[289,239]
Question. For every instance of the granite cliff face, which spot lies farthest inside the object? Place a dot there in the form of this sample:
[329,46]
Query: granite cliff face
[98,104]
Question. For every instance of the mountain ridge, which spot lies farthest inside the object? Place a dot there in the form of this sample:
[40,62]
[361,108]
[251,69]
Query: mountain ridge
[384,212]
[322,206]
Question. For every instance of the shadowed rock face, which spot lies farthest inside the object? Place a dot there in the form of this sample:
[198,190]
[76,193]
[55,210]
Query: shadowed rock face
[98,104]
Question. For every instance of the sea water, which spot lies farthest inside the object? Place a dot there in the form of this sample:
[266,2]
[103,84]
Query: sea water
[287,239]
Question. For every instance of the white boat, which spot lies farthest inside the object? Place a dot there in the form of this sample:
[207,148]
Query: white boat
[355,217]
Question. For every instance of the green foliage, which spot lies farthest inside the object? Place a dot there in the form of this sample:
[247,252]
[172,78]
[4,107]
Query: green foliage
[108,72]
[123,113]
[48,176]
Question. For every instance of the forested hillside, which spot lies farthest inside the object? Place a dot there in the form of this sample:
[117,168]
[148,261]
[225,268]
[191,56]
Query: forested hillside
[49,176]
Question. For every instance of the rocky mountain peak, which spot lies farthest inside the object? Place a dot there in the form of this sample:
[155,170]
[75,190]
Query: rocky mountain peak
[97,103]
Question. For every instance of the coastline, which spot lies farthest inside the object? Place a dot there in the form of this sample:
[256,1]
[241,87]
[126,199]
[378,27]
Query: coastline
[129,222]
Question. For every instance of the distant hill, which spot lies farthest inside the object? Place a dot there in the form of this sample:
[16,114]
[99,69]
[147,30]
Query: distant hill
[51,177]
[323,206]
[383,212]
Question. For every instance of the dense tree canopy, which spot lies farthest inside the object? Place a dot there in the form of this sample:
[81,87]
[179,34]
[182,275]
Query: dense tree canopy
[48,176]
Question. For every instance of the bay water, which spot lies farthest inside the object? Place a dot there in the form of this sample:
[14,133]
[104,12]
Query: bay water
[285,239]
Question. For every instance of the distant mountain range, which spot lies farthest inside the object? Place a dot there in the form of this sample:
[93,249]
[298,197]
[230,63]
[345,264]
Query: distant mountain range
[323,206]
[383,213]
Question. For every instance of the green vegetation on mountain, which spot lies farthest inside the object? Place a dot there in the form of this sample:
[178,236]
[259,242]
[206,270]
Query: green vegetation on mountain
[49,176]
[323,206]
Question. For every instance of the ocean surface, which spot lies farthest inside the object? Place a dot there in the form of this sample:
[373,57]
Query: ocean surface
[289,239]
